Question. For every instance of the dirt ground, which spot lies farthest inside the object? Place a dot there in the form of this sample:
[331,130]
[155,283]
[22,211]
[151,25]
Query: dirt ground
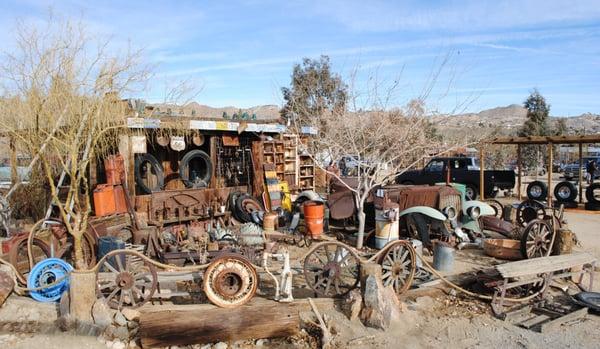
[432,321]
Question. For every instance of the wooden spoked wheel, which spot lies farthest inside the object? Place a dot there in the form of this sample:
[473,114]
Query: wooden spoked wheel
[399,264]
[331,269]
[125,280]
[536,240]
[230,281]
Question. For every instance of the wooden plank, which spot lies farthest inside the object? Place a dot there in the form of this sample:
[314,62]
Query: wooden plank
[553,324]
[257,167]
[536,320]
[185,327]
[544,264]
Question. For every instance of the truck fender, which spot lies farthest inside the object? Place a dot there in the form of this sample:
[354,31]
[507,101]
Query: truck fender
[425,210]
[485,209]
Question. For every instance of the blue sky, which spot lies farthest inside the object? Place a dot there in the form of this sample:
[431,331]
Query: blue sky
[242,52]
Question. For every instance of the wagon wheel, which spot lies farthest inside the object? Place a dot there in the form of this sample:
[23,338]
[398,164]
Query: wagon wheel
[230,281]
[536,240]
[331,269]
[125,280]
[528,211]
[398,263]
[18,254]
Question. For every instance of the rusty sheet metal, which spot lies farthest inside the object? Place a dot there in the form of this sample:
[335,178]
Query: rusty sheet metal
[418,195]
[231,141]
[179,205]
[341,205]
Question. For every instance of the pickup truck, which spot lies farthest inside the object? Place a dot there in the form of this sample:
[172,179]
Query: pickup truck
[464,170]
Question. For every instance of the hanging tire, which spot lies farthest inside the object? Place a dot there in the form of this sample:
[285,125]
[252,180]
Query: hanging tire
[565,192]
[202,169]
[537,190]
[589,193]
[156,167]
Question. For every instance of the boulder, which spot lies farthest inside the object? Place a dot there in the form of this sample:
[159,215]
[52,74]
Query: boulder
[101,313]
[131,314]
[7,282]
[352,304]
[380,304]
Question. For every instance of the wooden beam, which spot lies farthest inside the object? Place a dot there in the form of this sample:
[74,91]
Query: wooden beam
[580,173]
[258,182]
[481,172]
[520,170]
[185,327]
[550,161]
[595,138]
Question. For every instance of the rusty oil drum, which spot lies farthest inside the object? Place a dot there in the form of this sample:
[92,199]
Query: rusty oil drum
[314,213]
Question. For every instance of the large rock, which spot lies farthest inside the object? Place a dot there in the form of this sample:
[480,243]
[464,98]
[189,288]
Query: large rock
[352,304]
[101,313]
[7,282]
[380,304]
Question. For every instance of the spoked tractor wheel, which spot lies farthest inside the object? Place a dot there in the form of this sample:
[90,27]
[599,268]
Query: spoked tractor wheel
[331,269]
[536,240]
[230,281]
[399,264]
[125,280]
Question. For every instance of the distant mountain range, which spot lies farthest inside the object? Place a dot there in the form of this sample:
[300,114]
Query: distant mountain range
[508,118]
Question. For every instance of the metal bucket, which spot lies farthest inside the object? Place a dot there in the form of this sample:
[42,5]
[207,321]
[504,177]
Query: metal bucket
[443,257]
[387,226]
[418,245]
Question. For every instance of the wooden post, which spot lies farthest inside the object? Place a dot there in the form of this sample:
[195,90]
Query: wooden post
[213,159]
[481,172]
[519,172]
[82,294]
[580,173]
[258,179]
[550,161]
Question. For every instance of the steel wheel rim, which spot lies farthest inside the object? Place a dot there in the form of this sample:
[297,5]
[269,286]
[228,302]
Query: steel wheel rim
[564,192]
[398,264]
[221,272]
[331,269]
[469,193]
[535,191]
[130,282]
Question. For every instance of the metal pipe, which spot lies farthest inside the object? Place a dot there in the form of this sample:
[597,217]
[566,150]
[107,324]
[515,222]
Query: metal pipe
[580,173]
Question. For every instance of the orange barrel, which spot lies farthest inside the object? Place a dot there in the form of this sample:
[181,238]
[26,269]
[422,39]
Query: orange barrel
[270,221]
[314,212]
[104,200]
[114,166]
[120,203]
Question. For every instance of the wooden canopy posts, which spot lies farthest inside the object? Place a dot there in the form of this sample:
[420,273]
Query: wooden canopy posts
[550,141]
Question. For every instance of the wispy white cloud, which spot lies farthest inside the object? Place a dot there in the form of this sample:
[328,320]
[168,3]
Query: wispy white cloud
[459,16]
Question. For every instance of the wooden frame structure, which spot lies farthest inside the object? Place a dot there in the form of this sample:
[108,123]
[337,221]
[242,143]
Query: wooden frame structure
[550,141]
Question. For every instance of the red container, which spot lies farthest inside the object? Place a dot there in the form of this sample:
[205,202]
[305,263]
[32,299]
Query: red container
[104,200]
[120,203]
[314,212]
[114,166]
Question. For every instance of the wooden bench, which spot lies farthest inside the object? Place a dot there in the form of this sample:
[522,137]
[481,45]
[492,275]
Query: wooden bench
[541,270]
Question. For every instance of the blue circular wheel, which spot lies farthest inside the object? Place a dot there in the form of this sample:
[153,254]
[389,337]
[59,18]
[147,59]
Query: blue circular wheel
[45,273]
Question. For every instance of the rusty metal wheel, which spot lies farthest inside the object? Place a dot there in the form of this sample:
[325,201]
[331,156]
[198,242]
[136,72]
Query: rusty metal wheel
[230,281]
[125,280]
[331,269]
[18,256]
[536,240]
[398,263]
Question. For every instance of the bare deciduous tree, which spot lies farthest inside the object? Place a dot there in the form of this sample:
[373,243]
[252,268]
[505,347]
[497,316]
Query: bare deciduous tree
[384,141]
[60,103]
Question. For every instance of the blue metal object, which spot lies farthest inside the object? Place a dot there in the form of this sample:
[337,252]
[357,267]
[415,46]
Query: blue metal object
[43,276]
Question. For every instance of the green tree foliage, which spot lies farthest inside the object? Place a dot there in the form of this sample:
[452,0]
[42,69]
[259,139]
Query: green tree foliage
[314,90]
[538,112]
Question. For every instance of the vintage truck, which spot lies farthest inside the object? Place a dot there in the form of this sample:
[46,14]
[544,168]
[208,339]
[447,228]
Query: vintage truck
[464,170]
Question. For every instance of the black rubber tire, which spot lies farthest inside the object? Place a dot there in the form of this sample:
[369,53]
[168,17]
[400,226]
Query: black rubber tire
[140,160]
[569,188]
[592,206]
[589,193]
[184,167]
[591,299]
[240,213]
[543,188]
[475,190]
